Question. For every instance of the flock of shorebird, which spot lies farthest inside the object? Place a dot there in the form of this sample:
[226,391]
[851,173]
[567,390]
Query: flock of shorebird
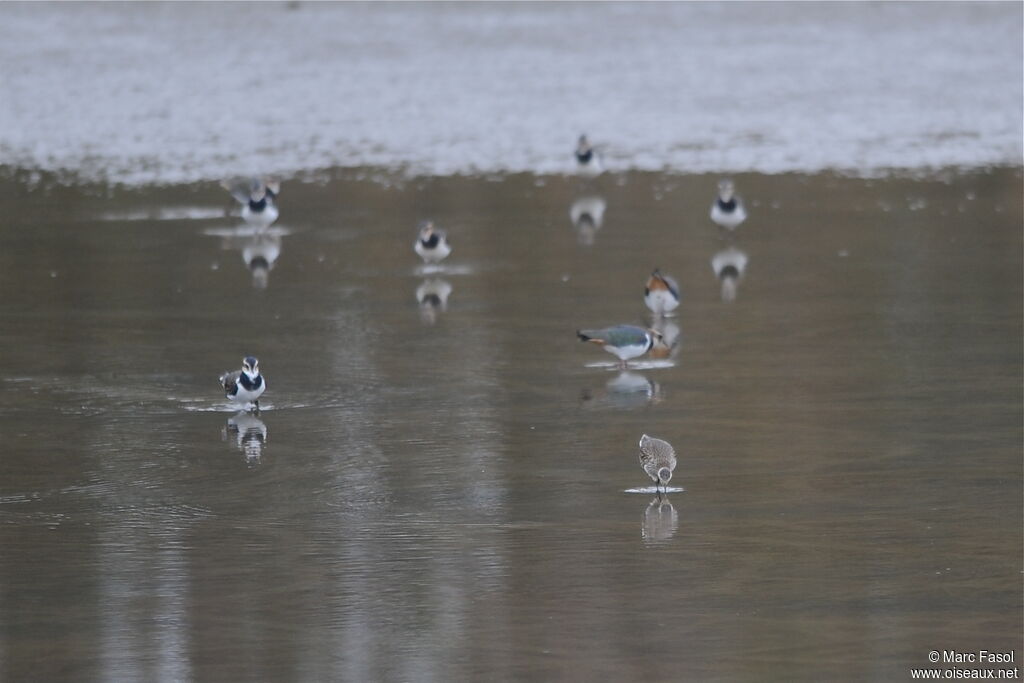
[258,199]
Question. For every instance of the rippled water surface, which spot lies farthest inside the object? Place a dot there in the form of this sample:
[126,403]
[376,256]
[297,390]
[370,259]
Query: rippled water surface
[436,488]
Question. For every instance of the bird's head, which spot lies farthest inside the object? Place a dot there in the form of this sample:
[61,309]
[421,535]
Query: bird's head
[251,367]
[258,193]
[725,189]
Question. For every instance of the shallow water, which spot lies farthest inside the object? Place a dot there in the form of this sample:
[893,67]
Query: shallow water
[437,490]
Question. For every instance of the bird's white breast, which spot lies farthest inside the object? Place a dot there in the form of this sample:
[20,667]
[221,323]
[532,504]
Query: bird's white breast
[627,352]
[246,396]
[661,301]
[434,255]
[591,167]
[728,219]
[262,218]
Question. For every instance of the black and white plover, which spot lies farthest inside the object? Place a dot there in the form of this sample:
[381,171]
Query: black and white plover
[258,197]
[244,386]
[431,243]
[588,158]
[728,211]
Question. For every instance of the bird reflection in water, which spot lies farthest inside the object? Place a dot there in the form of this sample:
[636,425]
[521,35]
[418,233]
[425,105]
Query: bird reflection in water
[432,296]
[260,249]
[633,388]
[729,266]
[661,521]
[625,390]
[250,435]
[587,214]
[667,347]
[259,254]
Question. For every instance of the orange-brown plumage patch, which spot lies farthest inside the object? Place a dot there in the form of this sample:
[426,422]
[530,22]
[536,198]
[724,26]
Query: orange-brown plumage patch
[660,351]
[655,284]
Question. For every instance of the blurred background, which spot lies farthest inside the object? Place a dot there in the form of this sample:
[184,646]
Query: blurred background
[442,481]
[179,92]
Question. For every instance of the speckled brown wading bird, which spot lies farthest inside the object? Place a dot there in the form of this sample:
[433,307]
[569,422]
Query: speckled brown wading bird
[658,459]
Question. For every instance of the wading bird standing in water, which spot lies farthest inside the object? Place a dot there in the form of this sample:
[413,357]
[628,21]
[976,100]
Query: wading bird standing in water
[728,211]
[661,293]
[624,341]
[431,243]
[588,159]
[245,385]
[658,459]
[258,197]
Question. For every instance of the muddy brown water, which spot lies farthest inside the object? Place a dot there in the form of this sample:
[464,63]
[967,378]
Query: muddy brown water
[436,490]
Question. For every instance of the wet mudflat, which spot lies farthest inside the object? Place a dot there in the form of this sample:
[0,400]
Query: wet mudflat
[436,487]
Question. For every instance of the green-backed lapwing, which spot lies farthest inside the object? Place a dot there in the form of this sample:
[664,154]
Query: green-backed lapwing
[624,341]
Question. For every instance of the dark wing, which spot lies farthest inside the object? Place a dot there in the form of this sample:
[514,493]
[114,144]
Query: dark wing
[229,379]
[596,336]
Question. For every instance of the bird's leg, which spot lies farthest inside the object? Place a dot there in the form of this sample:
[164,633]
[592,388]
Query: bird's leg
[256,407]
[622,364]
